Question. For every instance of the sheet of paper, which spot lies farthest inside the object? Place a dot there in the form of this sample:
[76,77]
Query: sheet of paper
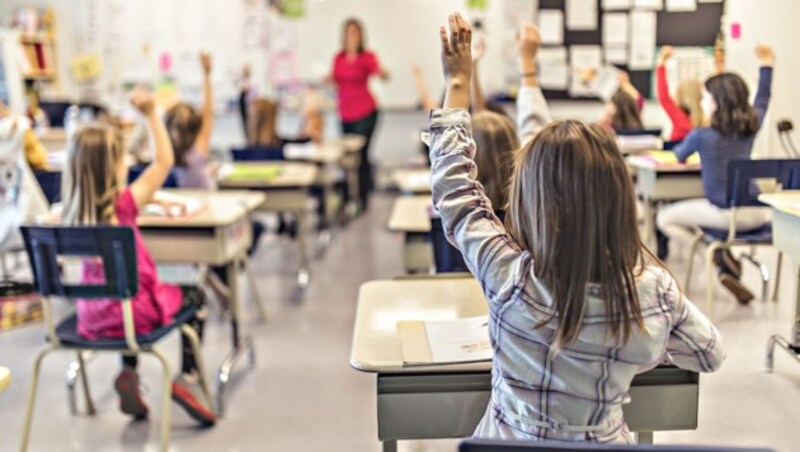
[616,4]
[654,5]
[606,83]
[461,340]
[615,55]
[553,68]
[581,14]
[643,40]
[681,5]
[584,59]
[615,29]
[551,26]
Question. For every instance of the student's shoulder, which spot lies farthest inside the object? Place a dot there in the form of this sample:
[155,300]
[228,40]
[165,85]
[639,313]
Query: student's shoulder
[658,280]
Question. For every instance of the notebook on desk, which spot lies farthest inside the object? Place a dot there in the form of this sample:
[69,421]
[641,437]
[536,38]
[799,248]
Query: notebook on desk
[250,172]
[445,341]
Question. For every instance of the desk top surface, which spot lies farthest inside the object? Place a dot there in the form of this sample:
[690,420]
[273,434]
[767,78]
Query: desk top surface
[381,304]
[292,175]
[221,208]
[412,180]
[645,164]
[410,214]
[785,201]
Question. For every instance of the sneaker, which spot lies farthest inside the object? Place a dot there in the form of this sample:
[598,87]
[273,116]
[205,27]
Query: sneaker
[187,392]
[130,398]
[736,288]
[725,261]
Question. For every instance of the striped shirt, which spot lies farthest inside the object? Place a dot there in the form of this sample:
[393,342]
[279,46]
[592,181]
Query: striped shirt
[577,393]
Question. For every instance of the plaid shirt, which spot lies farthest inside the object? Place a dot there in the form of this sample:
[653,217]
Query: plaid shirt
[577,393]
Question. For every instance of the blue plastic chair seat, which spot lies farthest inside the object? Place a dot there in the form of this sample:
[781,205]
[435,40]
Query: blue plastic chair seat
[760,235]
[67,333]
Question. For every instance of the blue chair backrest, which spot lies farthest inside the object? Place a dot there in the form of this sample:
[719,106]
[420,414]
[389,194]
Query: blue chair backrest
[135,171]
[257,154]
[50,181]
[635,132]
[114,245]
[55,110]
[670,145]
[446,257]
[743,174]
[476,445]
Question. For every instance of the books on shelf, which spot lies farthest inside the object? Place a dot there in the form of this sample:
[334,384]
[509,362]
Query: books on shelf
[445,341]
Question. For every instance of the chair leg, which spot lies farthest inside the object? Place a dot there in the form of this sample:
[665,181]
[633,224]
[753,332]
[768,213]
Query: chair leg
[251,279]
[37,364]
[85,383]
[194,339]
[777,288]
[166,402]
[763,271]
[712,248]
[695,244]
[71,379]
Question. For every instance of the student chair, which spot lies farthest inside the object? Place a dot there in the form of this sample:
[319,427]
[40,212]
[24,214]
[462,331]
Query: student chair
[50,181]
[57,110]
[257,154]
[135,171]
[670,145]
[742,191]
[477,445]
[638,132]
[446,257]
[49,249]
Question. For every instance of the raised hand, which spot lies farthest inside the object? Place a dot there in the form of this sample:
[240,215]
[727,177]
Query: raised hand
[765,54]
[528,40]
[205,63]
[142,100]
[666,53]
[457,61]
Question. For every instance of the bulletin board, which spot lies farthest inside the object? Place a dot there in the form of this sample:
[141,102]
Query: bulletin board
[698,28]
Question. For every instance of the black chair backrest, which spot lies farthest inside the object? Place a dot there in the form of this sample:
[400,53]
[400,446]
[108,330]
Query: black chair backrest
[670,145]
[258,154]
[135,171]
[636,132]
[445,256]
[743,174]
[114,245]
[476,445]
[56,110]
[50,181]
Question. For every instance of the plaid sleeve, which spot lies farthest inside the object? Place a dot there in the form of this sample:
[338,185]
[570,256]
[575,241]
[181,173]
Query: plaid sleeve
[694,342]
[467,214]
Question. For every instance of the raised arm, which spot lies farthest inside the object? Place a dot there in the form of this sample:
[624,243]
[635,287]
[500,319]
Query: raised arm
[422,89]
[662,86]
[153,177]
[694,342]
[532,111]
[766,57]
[626,86]
[467,215]
[203,141]
[478,99]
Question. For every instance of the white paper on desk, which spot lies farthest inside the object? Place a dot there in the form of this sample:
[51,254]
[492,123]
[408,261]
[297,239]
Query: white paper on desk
[615,55]
[681,5]
[643,40]
[462,340]
[172,205]
[616,4]
[654,5]
[300,151]
[581,15]
[709,1]
[551,26]
[615,29]
[553,68]
[583,58]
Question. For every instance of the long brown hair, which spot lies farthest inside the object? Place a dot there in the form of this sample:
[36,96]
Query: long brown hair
[495,139]
[183,123]
[734,117]
[262,123]
[362,42]
[90,182]
[572,206]
[626,112]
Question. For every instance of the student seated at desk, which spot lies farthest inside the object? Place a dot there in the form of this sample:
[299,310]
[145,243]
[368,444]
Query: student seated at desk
[95,193]
[623,111]
[734,124]
[577,305]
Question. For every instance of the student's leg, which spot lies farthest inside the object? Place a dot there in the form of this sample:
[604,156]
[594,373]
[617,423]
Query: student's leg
[258,230]
[364,127]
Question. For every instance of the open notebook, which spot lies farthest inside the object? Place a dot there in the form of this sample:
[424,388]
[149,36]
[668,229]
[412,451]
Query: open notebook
[172,205]
[445,341]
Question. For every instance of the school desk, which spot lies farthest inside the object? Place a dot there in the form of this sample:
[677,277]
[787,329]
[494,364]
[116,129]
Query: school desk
[656,183]
[410,216]
[448,401]
[412,180]
[219,235]
[289,191]
[786,238]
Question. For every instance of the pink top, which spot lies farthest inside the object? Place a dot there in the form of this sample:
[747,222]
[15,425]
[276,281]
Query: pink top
[352,78]
[154,305]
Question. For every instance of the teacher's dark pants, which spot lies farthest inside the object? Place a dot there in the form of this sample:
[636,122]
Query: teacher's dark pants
[364,127]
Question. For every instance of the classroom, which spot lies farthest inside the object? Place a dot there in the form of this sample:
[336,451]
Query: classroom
[399,225]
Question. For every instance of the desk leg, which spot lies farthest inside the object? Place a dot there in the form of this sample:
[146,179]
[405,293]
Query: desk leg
[241,343]
[257,298]
[326,221]
[644,437]
[649,220]
[304,273]
[791,346]
[390,446]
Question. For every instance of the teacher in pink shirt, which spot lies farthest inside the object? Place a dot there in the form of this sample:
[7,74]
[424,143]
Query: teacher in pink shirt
[352,68]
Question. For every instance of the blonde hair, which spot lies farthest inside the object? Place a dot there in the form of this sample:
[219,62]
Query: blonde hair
[262,123]
[495,139]
[90,182]
[572,206]
[688,97]
[183,123]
